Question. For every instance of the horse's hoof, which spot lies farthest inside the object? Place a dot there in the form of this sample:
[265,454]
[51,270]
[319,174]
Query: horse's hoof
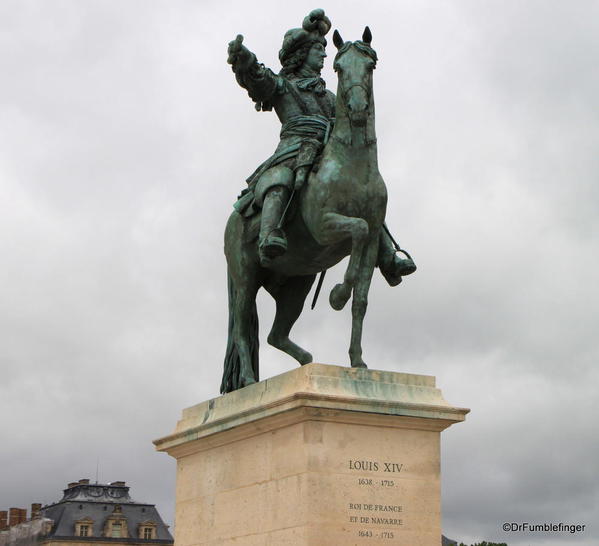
[246,382]
[306,358]
[359,364]
[339,296]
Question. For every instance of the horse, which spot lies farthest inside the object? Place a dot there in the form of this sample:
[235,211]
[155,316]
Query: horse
[340,212]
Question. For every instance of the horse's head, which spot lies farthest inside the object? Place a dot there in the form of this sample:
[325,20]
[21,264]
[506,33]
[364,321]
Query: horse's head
[354,64]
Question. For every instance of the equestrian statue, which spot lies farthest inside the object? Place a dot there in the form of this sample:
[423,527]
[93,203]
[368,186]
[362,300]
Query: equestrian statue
[317,199]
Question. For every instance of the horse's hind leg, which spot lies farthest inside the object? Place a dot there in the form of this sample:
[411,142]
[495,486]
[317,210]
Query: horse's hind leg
[290,299]
[245,302]
[336,228]
[360,301]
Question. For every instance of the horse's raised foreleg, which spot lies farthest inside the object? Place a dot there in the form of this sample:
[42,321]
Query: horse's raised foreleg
[290,298]
[334,229]
[360,300]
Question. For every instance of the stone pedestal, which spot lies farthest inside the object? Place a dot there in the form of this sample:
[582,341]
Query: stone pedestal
[318,456]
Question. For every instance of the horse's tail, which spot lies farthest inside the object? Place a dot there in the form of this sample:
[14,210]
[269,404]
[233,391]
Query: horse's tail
[230,381]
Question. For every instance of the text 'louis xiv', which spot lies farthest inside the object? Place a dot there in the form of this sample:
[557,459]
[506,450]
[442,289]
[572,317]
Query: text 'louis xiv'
[375,466]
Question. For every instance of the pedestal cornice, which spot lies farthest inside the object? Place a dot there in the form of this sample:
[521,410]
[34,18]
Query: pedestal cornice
[314,392]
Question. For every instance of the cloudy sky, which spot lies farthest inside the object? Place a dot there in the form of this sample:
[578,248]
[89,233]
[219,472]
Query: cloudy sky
[124,140]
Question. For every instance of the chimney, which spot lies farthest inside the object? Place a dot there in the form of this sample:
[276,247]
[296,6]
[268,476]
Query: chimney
[13,516]
[83,482]
[22,515]
[3,520]
[35,510]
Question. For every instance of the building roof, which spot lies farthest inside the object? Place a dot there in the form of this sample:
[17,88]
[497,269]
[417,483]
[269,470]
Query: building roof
[97,502]
[115,492]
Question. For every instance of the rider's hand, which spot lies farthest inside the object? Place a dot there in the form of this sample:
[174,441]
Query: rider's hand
[238,53]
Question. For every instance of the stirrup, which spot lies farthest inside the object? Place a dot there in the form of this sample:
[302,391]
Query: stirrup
[396,269]
[404,267]
[274,244]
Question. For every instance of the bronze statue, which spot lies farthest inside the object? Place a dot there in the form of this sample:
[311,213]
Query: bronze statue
[317,199]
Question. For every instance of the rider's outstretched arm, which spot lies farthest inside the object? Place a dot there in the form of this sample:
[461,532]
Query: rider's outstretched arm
[261,83]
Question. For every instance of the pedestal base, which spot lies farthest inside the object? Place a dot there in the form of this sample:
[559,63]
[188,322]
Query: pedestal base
[321,455]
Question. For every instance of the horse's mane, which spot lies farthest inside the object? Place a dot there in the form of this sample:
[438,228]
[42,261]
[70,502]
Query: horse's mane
[359,44]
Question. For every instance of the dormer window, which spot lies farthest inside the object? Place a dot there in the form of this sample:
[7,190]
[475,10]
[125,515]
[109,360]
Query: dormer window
[116,530]
[147,530]
[116,524]
[84,527]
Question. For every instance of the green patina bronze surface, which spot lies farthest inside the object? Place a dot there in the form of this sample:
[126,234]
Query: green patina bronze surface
[317,199]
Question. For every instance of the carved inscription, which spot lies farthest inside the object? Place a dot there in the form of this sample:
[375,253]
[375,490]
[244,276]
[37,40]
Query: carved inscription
[375,466]
[375,519]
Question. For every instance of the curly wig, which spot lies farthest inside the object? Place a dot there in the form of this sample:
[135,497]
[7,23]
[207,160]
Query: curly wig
[294,62]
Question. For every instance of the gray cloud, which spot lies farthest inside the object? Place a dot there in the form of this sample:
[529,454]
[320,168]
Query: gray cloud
[125,140]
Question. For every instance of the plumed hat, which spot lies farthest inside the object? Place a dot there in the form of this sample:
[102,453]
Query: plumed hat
[313,30]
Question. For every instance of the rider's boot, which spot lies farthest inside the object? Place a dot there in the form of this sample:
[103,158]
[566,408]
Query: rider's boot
[272,241]
[391,265]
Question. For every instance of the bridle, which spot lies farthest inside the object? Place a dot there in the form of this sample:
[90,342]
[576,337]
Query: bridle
[368,92]
[363,48]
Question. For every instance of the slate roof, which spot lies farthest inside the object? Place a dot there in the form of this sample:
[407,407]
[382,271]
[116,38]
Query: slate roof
[97,502]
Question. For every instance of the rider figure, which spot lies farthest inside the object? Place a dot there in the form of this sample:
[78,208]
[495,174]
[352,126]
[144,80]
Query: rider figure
[306,110]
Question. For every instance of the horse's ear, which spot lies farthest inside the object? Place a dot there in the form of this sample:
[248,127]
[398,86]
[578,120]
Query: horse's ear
[367,36]
[337,39]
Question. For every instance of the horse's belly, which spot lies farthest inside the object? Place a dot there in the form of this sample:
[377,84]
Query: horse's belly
[306,257]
